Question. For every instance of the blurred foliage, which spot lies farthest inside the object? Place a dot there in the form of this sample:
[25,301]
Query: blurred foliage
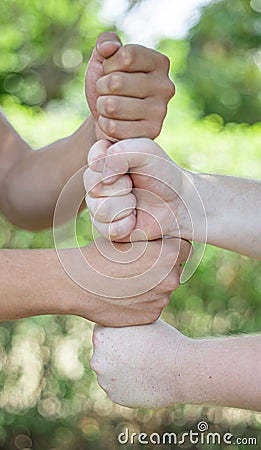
[49,397]
[224,60]
[43,45]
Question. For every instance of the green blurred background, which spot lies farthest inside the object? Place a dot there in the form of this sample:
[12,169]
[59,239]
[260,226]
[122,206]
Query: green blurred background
[49,398]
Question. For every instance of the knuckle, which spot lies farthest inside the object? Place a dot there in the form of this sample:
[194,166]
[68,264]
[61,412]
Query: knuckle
[173,282]
[171,88]
[126,55]
[115,83]
[169,284]
[110,105]
[100,86]
[164,301]
[168,89]
[161,110]
[110,127]
[152,129]
[164,62]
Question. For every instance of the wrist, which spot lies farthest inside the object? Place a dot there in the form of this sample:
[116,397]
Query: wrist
[199,380]
[81,141]
[190,212]
[68,297]
[206,370]
[184,373]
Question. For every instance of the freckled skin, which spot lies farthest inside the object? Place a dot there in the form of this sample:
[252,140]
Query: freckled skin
[135,362]
[156,366]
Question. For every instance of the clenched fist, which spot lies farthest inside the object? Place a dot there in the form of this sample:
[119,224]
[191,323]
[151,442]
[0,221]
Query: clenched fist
[127,88]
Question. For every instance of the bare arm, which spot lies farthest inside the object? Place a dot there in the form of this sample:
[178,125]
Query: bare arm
[101,286]
[218,371]
[12,147]
[216,209]
[122,82]
[226,371]
[32,283]
[232,211]
[31,181]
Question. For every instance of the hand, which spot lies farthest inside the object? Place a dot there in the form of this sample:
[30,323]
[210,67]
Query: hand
[137,366]
[133,185]
[128,285]
[127,89]
[145,194]
[156,366]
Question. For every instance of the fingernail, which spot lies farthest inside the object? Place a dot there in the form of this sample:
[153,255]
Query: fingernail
[100,44]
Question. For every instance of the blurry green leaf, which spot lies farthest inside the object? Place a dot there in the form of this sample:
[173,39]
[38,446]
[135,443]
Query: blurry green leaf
[223,69]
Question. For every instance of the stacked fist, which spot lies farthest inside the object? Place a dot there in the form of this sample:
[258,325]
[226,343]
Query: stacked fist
[130,197]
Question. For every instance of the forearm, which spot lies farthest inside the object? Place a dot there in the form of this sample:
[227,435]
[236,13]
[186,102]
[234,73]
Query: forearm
[12,148]
[223,371]
[33,282]
[86,282]
[30,190]
[225,212]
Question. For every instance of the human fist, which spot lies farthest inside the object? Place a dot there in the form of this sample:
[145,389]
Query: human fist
[137,366]
[127,89]
[129,284]
[133,185]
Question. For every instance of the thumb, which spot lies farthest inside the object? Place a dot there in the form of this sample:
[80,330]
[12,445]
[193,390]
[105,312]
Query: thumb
[128,155]
[107,44]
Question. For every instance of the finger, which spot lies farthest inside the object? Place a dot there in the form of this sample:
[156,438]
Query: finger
[185,251]
[133,58]
[162,301]
[170,283]
[118,229]
[96,155]
[124,108]
[132,154]
[95,186]
[93,183]
[107,44]
[138,85]
[121,129]
[109,209]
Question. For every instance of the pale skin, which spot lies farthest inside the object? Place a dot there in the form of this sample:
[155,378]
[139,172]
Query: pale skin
[156,366]
[219,371]
[165,199]
[31,182]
